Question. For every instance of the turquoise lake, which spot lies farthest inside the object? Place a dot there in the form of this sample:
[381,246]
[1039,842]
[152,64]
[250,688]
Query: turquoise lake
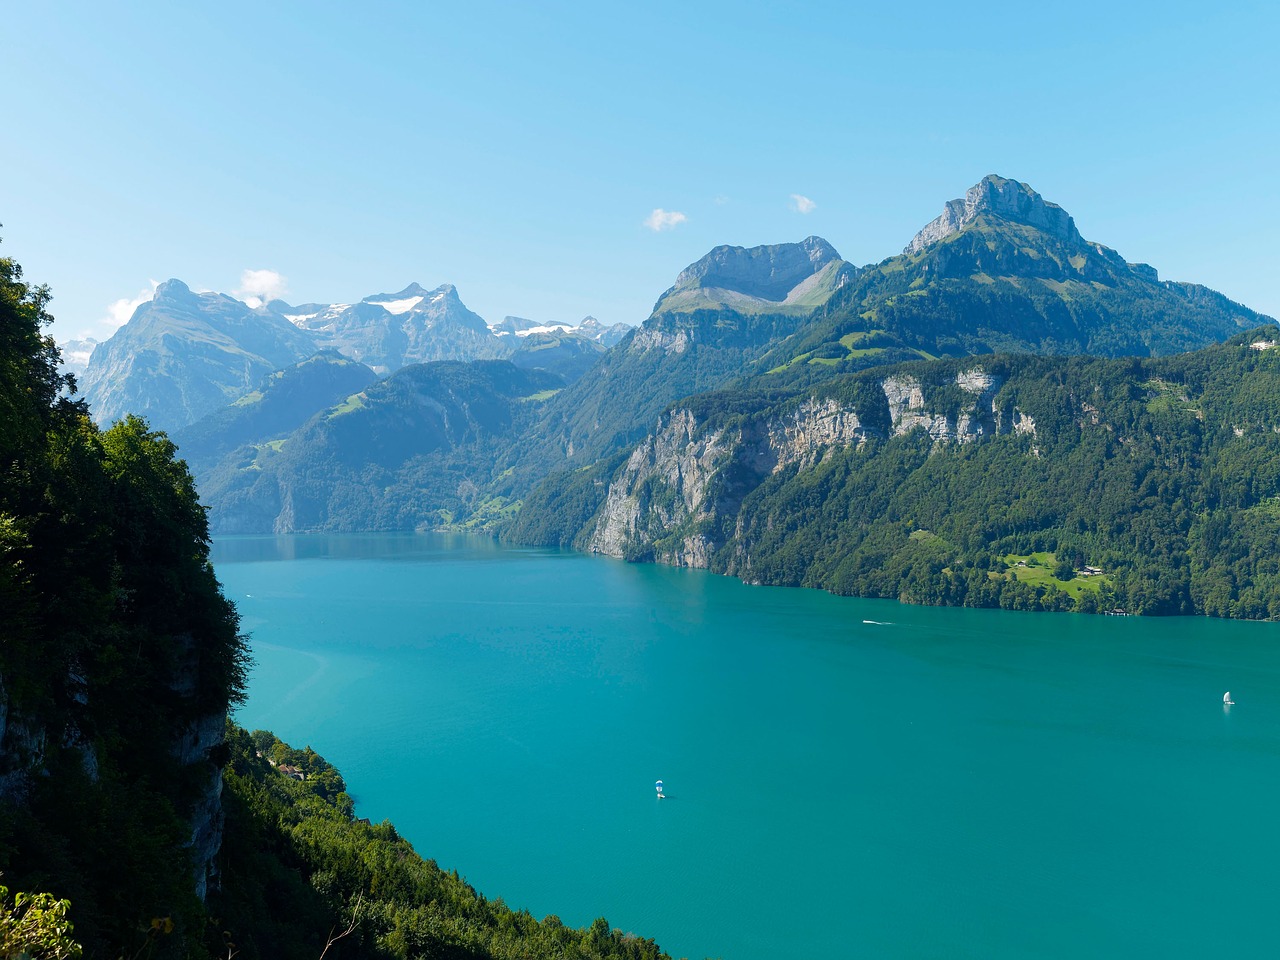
[844,777]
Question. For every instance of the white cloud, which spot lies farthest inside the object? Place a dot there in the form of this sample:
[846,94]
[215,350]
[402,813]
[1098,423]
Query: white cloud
[119,312]
[721,200]
[259,286]
[664,219]
[802,204]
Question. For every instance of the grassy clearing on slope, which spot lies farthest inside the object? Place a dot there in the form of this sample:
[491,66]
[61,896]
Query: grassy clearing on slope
[1037,570]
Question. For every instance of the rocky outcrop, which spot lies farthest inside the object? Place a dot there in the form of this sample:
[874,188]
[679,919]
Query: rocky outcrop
[25,744]
[663,491]
[665,502]
[194,747]
[999,197]
[653,338]
[996,196]
[767,272]
[804,436]
[908,409]
[22,746]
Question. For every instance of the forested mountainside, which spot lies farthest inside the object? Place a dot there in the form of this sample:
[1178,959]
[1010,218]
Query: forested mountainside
[300,865]
[119,659]
[1002,269]
[1150,485]
[416,449]
[120,656]
[282,402]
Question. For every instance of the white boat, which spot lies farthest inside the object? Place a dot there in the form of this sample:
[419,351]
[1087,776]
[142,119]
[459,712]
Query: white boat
[1226,699]
[661,795]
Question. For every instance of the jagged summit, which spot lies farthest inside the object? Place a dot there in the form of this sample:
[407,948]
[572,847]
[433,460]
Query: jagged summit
[997,196]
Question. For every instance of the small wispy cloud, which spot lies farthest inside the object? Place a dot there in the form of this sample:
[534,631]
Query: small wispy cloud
[802,204]
[119,311]
[664,219]
[721,200]
[259,286]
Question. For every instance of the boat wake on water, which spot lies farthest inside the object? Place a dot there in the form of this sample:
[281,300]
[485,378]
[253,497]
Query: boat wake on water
[879,623]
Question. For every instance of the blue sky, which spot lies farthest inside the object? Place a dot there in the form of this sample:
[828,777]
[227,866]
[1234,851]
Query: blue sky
[518,152]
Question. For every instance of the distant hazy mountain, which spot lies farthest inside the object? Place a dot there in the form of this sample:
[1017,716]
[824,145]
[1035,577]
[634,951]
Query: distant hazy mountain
[557,346]
[589,328]
[606,335]
[388,331]
[75,355]
[183,355]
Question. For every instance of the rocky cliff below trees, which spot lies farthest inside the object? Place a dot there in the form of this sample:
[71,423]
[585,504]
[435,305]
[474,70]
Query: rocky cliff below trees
[689,477]
[1154,483]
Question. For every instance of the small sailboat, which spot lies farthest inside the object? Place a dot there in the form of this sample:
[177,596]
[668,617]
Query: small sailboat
[1226,699]
[661,795]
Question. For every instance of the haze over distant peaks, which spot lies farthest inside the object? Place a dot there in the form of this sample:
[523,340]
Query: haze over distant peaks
[1004,198]
[184,354]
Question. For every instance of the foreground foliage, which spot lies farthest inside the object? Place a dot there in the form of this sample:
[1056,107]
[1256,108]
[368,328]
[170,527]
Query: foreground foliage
[35,927]
[117,640]
[299,868]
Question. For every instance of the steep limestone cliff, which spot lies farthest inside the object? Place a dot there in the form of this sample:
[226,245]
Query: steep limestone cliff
[687,478]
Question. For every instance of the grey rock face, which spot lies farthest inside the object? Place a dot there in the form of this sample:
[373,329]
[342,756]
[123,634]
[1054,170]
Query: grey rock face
[1003,198]
[192,746]
[673,484]
[22,747]
[664,487]
[767,272]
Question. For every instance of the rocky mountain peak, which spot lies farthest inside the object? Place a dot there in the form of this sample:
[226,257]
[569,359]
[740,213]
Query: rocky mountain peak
[768,272]
[171,290]
[999,197]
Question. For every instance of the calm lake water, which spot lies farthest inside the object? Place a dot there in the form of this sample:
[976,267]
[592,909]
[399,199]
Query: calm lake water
[845,777]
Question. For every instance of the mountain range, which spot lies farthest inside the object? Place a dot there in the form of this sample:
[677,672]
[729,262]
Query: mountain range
[184,354]
[697,437]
